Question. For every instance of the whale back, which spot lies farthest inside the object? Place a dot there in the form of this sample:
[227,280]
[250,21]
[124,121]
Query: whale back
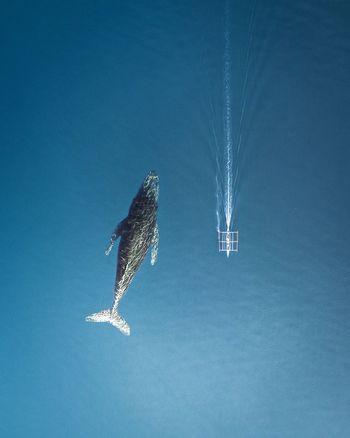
[138,231]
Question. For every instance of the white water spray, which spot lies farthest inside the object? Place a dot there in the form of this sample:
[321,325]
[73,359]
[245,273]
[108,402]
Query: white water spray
[227,178]
[228,120]
[228,240]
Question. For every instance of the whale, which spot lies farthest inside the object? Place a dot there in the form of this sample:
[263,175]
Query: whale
[137,232]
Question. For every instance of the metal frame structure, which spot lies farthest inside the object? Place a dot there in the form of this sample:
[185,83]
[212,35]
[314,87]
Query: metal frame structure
[228,241]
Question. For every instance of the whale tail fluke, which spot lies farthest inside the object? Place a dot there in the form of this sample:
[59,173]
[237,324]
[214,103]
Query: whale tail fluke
[113,318]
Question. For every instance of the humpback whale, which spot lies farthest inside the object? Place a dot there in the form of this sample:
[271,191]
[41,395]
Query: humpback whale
[137,232]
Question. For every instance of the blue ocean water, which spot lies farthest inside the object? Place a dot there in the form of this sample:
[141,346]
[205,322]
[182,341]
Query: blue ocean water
[94,95]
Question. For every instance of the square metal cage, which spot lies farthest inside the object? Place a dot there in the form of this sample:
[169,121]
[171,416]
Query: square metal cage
[228,241]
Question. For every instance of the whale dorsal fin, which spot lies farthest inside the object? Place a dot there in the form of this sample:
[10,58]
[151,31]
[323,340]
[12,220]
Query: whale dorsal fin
[154,243]
[116,233]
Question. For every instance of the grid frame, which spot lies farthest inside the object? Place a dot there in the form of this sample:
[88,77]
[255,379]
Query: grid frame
[228,241]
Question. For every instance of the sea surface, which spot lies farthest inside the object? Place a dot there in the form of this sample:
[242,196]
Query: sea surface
[93,96]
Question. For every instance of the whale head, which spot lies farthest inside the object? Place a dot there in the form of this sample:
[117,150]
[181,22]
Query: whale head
[151,184]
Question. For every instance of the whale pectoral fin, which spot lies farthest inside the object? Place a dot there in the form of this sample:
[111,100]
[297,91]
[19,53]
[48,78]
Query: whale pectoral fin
[154,243]
[116,233]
